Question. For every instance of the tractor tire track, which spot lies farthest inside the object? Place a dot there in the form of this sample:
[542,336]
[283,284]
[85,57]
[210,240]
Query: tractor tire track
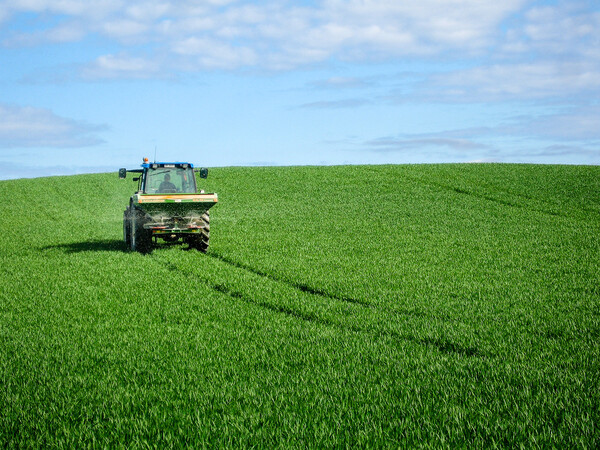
[374,329]
[512,204]
[318,292]
[300,286]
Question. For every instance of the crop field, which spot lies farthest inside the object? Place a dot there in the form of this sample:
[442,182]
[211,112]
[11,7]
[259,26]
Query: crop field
[388,306]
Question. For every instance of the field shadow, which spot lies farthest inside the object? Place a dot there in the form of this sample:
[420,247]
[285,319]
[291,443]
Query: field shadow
[105,245]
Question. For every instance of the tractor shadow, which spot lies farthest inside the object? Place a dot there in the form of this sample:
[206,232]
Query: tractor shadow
[106,245]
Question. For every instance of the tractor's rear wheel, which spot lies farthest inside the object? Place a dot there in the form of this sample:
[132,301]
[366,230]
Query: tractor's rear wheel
[141,239]
[201,241]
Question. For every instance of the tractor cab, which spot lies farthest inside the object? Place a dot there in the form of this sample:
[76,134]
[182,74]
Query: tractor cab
[166,177]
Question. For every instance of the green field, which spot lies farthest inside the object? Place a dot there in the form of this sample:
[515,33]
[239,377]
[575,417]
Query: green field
[413,305]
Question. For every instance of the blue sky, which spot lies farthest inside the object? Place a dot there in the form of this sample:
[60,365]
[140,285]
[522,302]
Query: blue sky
[93,86]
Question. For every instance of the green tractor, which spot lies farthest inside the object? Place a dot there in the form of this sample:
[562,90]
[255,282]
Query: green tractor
[167,206]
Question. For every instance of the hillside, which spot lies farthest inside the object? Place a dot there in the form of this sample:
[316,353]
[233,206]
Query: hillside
[358,305]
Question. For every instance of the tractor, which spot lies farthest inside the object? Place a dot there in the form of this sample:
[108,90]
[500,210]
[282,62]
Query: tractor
[167,206]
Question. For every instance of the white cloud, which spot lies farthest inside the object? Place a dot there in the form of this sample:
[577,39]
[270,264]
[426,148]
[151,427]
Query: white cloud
[214,54]
[293,35]
[36,127]
[91,11]
[148,11]
[430,24]
[567,32]
[556,28]
[545,52]
[121,66]
[124,28]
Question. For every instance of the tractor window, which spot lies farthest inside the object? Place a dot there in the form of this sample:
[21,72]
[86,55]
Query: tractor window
[170,180]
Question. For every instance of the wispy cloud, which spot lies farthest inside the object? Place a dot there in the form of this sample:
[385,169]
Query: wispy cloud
[403,144]
[36,127]
[566,150]
[572,124]
[337,104]
[342,83]
[523,81]
[33,169]
[575,132]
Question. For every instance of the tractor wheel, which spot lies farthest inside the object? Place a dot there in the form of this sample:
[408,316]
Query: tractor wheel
[126,229]
[141,239]
[133,238]
[201,242]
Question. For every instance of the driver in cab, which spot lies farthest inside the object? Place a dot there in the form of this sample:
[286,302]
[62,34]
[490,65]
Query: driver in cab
[166,186]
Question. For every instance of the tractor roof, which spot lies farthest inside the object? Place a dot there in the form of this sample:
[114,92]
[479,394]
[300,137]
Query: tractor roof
[184,165]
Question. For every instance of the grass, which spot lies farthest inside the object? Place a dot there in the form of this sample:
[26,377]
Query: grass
[426,305]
